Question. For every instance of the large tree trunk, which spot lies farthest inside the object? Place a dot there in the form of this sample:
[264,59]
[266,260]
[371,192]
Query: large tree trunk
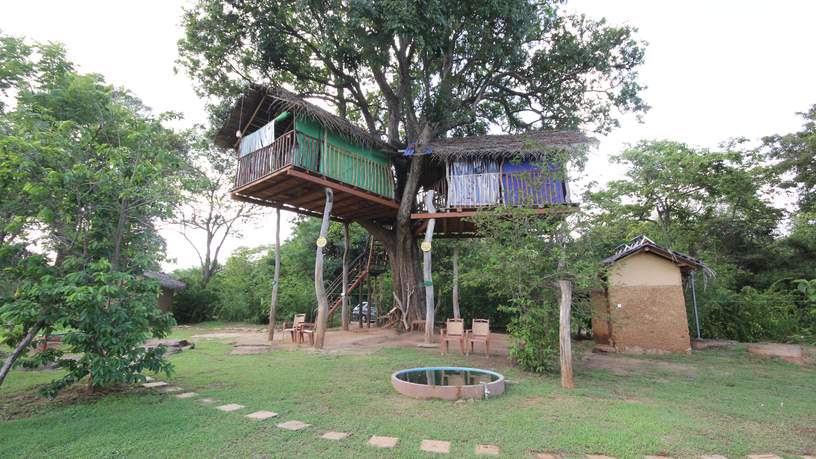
[455,294]
[320,288]
[427,273]
[344,295]
[273,302]
[18,351]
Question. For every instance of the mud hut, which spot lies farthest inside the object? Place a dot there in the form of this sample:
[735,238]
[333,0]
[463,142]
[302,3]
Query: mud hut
[169,286]
[642,308]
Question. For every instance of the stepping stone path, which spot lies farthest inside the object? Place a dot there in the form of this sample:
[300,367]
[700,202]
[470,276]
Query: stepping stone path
[547,456]
[487,450]
[230,407]
[171,389]
[206,401]
[187,395]
[383,442]
[763,456]
[293,425]
[335,436]
[435,446]
[152,385]
[261,415]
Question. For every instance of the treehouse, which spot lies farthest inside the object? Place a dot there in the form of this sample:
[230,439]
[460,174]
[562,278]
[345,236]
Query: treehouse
[289,151]
[478,173]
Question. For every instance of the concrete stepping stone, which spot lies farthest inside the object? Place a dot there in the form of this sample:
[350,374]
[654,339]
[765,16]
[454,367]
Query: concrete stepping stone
[169,389]
[383,442]
[599,456]
[657,457]
[335,436]
[230,407]
[293,425]
[547,456]
[763,456]
[187,395]
[261,415]
[435,446]
[487,450]
[206,401]
[712,456]
[154,384]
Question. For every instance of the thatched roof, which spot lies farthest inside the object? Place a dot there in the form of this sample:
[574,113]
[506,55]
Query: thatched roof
[260,104]
[644,244]
[499,146]
[165,280]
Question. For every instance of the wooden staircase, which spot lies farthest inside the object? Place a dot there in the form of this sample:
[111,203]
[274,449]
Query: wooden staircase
[372,262]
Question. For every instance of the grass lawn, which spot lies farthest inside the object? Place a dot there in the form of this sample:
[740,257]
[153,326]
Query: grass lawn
[713,402]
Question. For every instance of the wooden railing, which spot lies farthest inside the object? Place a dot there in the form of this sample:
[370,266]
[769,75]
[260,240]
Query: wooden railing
[295,148]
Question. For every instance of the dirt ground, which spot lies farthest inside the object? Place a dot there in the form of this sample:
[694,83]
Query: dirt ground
[355,341]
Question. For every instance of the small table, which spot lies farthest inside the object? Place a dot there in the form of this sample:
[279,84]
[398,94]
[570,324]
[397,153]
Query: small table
[418,325]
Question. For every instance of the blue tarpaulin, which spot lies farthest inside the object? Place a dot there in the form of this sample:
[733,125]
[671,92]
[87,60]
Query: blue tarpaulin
[525,184]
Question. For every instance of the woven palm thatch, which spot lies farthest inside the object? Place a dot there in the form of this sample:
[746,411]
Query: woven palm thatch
[165,280]
[260,104]
[502,146]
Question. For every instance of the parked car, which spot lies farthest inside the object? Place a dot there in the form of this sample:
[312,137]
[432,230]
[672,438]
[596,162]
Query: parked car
[355,313]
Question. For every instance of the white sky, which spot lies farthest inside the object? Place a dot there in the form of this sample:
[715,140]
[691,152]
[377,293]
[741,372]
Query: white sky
[715,69]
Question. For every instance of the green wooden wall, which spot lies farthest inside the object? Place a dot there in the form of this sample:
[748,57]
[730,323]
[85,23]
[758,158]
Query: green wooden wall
[345,161]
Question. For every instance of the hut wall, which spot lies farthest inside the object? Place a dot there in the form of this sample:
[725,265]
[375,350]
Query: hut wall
[165,301]
[347,162]
[601,324]
[524,183]
[647,309]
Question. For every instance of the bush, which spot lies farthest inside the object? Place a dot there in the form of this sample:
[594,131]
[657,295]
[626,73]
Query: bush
[195,303]
[535,337]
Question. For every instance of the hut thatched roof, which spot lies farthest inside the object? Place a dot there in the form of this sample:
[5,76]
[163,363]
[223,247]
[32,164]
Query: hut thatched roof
[498,146]
[260,104]
[165,280]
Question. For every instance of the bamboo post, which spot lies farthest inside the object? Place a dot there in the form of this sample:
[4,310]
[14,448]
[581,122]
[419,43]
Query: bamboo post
[426,270]
[320,288]
[344,295]
[273,302]
[456,314]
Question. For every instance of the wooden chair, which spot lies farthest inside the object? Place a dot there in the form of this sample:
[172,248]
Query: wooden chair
[480,333]
[294,330]
[306,330]
[454,331]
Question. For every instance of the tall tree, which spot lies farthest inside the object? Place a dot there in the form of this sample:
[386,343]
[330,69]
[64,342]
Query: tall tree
[794,157]
[90,170]
[421,70]
[208,209]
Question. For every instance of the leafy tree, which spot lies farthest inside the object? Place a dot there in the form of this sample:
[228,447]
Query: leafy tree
[89,171]
[418,71]
[794,157]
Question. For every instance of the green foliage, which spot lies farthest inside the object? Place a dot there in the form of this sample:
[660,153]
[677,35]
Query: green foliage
[196,302]
[86,171]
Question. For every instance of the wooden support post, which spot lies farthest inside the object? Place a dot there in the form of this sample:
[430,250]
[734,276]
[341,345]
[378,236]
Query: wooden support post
[565,311]
[456,313]
[368,300]
[344,311]
[273,302]
[320,288]
[426,269]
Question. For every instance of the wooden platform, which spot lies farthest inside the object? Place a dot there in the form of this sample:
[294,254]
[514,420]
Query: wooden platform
[301,191]
[454,223]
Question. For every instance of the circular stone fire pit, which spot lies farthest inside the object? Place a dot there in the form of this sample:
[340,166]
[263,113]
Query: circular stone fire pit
[448,383]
